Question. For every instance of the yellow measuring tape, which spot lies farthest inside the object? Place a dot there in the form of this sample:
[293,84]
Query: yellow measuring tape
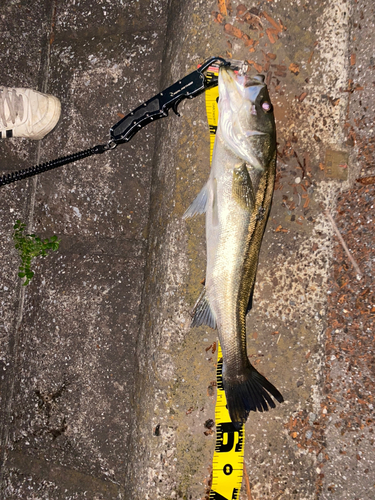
[227,463]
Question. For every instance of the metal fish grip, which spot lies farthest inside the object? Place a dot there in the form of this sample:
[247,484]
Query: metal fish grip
[155,108]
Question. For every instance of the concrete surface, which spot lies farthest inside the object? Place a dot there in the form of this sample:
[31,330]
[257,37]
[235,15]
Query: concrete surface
[97,353]
[69,339]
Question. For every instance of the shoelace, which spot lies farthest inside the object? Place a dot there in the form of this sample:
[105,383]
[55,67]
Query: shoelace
[14,103]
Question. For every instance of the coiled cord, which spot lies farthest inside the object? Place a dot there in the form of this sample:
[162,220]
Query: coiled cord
[49,165]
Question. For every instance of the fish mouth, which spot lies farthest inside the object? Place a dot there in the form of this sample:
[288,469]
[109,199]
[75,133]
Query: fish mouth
[236,88]
[248,87]
[245,113]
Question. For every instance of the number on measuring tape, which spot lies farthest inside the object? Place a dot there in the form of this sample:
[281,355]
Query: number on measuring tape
[228,437]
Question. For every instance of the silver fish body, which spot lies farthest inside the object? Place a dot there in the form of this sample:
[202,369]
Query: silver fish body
[237,200]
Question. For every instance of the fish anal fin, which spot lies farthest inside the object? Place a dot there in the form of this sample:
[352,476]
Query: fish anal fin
[242,187]
[199,204]
[202,313]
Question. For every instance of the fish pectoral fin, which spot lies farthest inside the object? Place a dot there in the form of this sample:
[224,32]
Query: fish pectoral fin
[199,204]
[215,207]
[202,313]
[242,187]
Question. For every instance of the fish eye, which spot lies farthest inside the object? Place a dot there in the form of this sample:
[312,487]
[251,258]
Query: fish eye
[266,106]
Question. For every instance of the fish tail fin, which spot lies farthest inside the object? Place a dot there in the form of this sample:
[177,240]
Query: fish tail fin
[250,391]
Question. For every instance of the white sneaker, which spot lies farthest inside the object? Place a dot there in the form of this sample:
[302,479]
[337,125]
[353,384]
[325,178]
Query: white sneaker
[27,113]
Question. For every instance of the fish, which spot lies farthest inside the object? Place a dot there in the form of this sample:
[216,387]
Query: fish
[236,200]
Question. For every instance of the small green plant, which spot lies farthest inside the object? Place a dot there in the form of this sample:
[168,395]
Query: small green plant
[30,246]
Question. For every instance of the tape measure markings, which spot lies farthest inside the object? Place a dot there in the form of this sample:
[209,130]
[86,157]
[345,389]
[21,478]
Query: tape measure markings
[227,463]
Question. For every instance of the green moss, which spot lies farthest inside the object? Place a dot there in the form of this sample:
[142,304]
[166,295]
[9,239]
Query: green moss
[30,246]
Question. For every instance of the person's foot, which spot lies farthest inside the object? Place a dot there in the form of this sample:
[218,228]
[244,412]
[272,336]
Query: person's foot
[27,113]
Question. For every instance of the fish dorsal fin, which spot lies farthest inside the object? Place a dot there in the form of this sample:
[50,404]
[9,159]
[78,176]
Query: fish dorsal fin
[203,314]
[199,204]
[250,303]
[242,187]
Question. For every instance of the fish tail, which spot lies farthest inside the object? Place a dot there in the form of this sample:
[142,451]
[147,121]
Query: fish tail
[249,391]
